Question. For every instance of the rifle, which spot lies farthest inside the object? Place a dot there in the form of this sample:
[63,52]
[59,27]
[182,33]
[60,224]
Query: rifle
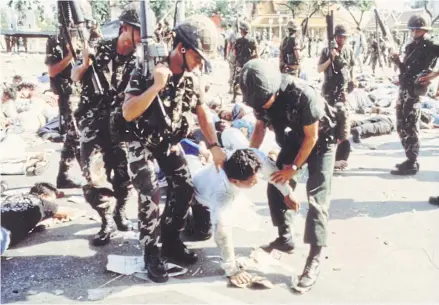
[70,14]
[331,42]
[150,51]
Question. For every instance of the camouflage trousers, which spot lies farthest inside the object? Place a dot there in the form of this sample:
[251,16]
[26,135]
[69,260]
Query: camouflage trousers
[408,116]
[70,149]
[144,178]
[103,162]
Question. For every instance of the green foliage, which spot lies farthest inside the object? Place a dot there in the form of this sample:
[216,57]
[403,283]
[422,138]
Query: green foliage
[101,10]
[160,7]
[23,6]
[357,5]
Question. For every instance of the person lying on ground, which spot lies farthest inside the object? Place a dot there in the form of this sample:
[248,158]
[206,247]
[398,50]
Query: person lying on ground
[21,214]
[372,127]
[217,191]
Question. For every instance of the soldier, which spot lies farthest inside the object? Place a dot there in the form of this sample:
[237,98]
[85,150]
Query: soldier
[420,58]
[245,48]
[360,48]
[161,113]
[338,68]
[283,101]
[100,156]
[58,61]
[289,58]
[229,55]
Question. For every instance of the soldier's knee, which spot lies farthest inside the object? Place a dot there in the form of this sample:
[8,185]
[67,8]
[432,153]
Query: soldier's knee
[99,198]
[145,181]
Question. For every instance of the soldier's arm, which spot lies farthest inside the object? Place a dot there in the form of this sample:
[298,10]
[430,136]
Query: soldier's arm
[324,62]
[55,69]
[206,124]
[258,134]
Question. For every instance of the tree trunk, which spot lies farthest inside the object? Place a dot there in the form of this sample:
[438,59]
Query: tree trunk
[358,24]
[427,10]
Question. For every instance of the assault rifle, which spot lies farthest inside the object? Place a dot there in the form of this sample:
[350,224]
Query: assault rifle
[70,16]
[149,51]
[331,42]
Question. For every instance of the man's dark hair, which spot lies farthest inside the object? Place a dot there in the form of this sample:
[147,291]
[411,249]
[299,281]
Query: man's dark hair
[10,93]
[26,85]
[220,125]
[242,165]
[43,188]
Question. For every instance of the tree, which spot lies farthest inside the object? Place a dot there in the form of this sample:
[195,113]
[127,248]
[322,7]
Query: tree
[295,5]
[100,10]
[360,5]
[23,6]
[160,7]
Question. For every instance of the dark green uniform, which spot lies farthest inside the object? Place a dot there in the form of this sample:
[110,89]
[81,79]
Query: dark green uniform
[298,105]
[288,46]
[335,87]
[101,156]
[156,133]
[62,86]
[419,56]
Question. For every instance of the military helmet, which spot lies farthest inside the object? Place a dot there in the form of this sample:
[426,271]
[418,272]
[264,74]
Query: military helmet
[244,26]
[199,33]
[292,24]
[130,16]
[419,22]
[341,30]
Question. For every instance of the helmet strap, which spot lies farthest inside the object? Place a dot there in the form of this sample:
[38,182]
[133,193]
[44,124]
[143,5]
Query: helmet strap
[183,51]
[132,36]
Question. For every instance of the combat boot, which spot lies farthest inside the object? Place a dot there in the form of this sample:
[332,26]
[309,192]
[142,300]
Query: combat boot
[309,275]
[356,136]
[154,265]
[402,164]
[283,243]
[63,180]
[434,200]
[108,227]
[175,250]
[120,217]
[406,169]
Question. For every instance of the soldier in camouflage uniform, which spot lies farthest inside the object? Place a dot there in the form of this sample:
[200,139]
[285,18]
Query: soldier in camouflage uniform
[338,68]
[420,58]
[102,154]
[161,114]
[58,60]
[245,48]
[229,55]
[289,58]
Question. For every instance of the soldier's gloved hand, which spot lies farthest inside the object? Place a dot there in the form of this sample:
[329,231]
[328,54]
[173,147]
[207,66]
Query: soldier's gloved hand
[161,75]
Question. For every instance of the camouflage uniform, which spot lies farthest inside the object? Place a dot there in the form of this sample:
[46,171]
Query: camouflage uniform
[62,86]
[245,49]
[418,57]
[102,154]
[155,137]
[288,45]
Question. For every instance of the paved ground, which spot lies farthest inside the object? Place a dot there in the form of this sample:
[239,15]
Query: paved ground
[384,245]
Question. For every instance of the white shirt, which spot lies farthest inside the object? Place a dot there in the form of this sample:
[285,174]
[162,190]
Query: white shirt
[214,190]
[233,139]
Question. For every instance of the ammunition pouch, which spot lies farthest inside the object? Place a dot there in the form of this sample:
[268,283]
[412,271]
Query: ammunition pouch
[120,130]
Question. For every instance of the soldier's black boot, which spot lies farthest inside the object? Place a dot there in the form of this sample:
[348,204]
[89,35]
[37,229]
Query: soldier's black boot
[198,225]
[63,180]
[402,164]
[120,217]
[434,200]
[108,227]
[175,250]
[407,168]
[154,265]
[311,271]
[284,242]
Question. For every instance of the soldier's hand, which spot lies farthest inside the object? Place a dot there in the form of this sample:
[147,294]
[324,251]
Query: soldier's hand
[334,54]
[87,52]
[219,157]
[161,74]
[292,202]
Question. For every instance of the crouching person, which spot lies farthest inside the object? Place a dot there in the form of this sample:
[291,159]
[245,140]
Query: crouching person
[217,191]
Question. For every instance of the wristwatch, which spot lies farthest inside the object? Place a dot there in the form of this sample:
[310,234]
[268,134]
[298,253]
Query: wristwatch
[294,167]
[210,146]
